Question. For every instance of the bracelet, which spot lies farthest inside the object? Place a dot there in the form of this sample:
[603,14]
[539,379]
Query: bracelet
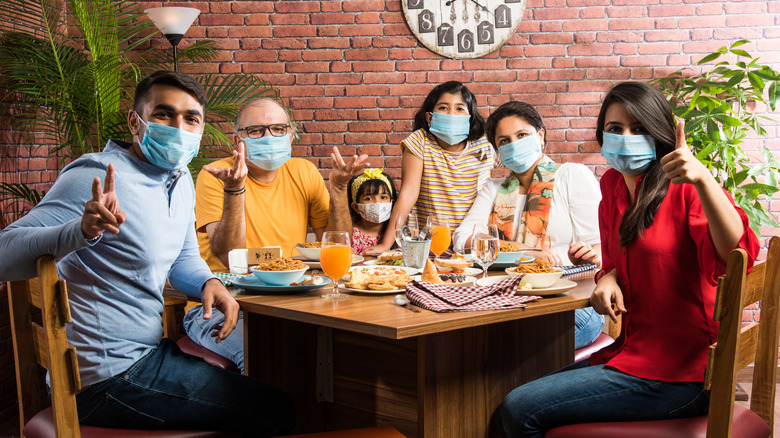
[235,192]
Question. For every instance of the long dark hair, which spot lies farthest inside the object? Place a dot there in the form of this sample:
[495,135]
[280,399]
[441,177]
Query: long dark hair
[649,107]
[476,121]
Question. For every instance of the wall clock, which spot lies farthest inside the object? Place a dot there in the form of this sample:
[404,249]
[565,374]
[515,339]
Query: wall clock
[463,28]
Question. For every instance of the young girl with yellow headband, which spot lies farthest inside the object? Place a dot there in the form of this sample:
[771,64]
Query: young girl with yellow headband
[371,197]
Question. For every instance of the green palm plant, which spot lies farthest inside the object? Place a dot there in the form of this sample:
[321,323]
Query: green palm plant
[717,106]
[70,69]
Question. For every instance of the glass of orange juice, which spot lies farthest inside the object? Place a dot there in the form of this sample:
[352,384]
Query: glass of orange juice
[335,259]
[439,228]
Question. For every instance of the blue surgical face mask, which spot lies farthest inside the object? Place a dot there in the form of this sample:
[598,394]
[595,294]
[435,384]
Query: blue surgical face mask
[167,147]
[521,154]
[628,154]
[450,128]
[268,152]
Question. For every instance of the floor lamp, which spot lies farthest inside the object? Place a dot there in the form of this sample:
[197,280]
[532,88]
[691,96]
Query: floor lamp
[173,22]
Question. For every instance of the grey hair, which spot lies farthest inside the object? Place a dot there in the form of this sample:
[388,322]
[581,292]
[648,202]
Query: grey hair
[259,102]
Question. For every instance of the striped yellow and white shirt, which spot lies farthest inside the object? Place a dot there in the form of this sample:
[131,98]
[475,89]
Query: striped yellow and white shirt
[450,180]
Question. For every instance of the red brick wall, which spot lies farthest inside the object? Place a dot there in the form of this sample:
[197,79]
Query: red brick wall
[354,74]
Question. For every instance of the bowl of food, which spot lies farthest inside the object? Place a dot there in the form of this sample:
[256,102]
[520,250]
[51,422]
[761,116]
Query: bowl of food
[280,272]
[310,250]
[509,253]
[539,274]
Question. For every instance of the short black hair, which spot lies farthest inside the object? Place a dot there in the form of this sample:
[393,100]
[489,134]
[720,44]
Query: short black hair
[173,79]
[516,108]
[476,121]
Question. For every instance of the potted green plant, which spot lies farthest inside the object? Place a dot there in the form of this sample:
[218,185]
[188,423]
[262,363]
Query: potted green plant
[720,106]
[70,68]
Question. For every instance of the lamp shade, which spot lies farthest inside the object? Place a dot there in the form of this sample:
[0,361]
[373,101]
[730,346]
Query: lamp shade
[173,21]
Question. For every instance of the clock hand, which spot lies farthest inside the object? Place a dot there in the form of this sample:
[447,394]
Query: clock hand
[449,2]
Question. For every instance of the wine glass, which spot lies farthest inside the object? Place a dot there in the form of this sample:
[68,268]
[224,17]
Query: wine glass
[439,228]
[335,259]
[411,222]
[485,247]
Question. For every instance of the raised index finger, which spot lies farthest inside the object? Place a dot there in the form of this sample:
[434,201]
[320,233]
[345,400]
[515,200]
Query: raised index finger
[110,176]
[97,190]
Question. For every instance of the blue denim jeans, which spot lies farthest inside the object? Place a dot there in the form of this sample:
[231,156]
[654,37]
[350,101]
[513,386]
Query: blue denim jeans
[587,327]
[200,330]
[586,394]
[168,389]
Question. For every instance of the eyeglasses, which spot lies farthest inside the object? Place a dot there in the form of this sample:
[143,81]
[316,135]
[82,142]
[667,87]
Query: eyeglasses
[257,131]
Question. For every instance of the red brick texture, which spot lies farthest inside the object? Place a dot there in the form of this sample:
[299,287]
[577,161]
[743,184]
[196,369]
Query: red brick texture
[354,74]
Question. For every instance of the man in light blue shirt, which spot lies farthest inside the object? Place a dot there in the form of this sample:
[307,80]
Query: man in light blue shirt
[116,245]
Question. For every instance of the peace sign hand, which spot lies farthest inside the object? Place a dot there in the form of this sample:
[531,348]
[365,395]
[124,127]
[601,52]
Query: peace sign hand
[680,165]
[102,212]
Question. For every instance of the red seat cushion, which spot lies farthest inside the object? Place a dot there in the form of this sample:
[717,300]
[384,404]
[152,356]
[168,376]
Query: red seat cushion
[42,426]
[746,425]
[369,432]
[188,346]
[583,353]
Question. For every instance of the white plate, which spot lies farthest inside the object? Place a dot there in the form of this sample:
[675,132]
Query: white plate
[469,281]
[316,265]
[373,292]
[252,284]
[559,287]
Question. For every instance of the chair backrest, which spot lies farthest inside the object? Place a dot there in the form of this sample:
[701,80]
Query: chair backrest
[45,344]
[738,346]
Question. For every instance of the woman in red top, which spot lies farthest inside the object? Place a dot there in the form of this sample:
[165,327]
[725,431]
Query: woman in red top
[666,230]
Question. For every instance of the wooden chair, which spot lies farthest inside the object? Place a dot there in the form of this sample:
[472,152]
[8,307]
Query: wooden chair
[46,344]
[737,347]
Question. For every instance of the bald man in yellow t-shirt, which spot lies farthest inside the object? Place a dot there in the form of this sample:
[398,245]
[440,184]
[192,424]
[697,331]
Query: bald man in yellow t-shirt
[258,197]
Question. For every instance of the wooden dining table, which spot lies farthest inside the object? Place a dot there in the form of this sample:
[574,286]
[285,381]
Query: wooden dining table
[365,361]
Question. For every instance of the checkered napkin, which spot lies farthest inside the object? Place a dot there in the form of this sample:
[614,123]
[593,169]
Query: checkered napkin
[444,298]
[225,278]
[573,269]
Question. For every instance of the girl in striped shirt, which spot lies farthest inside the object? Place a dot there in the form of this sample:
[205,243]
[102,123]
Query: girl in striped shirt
[446,160]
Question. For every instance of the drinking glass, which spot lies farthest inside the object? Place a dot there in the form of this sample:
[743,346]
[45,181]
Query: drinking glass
[439,228]
[335,259]
[411,222]
[485,246]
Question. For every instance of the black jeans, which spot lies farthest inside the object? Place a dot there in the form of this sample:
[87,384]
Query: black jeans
[168,389]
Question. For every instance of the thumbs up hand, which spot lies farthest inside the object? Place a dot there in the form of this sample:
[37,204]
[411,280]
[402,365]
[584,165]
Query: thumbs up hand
[680,165]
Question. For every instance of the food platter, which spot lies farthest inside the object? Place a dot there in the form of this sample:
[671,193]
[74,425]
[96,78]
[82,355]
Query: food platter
[314,264]
[382,270]
[251,284]
[559,287]
[363,273]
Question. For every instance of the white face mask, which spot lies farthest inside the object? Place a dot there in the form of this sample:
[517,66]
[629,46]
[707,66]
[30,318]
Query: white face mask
[378,212]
